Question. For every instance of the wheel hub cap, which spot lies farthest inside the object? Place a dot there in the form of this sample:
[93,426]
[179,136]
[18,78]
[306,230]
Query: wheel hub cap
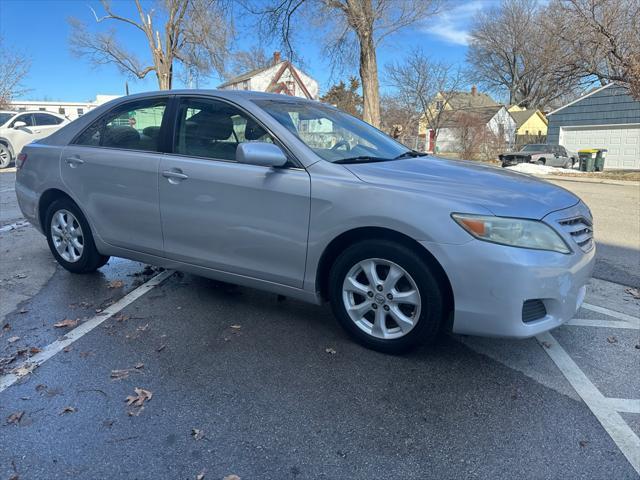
[381,298]
[67,236]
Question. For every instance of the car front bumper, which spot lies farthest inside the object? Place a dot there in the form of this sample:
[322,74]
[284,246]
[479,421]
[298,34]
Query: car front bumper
[491,282]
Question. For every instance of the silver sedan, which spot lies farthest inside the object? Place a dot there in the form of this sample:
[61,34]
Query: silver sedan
[301,199]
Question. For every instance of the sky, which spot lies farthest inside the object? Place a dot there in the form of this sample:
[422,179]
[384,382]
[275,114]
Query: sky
[40,30]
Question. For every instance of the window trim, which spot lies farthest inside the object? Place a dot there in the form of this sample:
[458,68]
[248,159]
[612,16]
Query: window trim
[48,114]
[294,163]
[163,126]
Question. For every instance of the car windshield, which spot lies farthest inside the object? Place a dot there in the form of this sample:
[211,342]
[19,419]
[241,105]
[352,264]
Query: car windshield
[5,117]
[335,136]
[536,147]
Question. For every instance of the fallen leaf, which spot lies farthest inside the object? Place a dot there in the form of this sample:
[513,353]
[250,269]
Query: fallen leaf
[15,417]
[122,317]
[66,323]
[143,327]
[236,327]
[200,476]
[23,310]
[583,443]
[20,275]
[161,347]
[634,292]
[330,351]
[232,477]
[6,327]
[24,369]
[638,346]
[138,366]
[119,374]
[68,410]
[140,397]
[197,434]
[67,349]
[115,284]
[34,350]
[546,344]
[612,339]
[13,339]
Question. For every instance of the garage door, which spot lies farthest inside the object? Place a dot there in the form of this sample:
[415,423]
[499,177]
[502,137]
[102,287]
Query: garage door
[623,143]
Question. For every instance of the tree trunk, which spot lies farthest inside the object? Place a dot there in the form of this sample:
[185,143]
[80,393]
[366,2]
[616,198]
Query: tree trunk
[369,78]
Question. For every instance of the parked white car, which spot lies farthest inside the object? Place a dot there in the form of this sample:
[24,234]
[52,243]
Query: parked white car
[20,128]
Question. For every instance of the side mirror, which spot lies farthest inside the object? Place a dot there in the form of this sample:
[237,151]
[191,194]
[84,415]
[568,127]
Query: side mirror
[260,153]
[18,125]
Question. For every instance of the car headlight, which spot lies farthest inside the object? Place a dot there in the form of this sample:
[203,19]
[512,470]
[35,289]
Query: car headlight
[515,232]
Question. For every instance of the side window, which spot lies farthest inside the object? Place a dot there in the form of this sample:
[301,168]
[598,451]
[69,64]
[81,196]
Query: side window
[44,119]
[213,129]
[132,126]
[26,118]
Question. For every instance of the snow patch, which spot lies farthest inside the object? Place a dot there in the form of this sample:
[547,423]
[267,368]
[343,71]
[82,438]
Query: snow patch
[535,169]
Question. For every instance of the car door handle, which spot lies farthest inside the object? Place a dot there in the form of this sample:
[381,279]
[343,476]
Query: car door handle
[73,162]
[175,175]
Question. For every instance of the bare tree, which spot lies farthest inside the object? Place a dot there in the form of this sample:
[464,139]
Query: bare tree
[513,52]
[195,33]
[13,69]
[400,119]
[244,61]
[426,85]
[601,39]
[362,24]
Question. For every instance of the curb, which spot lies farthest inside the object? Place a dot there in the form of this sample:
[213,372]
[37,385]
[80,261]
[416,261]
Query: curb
[606,181]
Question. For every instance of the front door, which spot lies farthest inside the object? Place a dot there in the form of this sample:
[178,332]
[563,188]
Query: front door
[243,219]
[111,169]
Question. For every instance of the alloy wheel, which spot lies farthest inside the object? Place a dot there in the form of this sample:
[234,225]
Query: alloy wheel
[67,236]
[381,298]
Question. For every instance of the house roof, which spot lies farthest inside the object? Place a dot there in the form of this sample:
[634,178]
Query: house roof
[520,117]
[458,100]
[451,118]
[248,75]
[580,98]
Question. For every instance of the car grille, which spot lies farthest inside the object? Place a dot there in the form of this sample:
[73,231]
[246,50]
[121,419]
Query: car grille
[533,310]
[581,231]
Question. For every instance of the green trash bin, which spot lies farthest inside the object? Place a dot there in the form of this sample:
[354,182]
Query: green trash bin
[600,157]
[587,158]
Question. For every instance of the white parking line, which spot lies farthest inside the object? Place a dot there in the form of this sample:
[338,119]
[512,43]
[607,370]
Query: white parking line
[626,440]
[620,316]
[589,322]
[56,347]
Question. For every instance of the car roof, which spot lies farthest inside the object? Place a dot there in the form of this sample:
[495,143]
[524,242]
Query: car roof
[229,94]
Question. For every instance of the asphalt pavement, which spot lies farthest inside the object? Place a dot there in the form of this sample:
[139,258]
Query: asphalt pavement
[136,373]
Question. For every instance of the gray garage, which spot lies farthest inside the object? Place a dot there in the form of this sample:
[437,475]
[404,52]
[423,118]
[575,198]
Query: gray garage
[604,118]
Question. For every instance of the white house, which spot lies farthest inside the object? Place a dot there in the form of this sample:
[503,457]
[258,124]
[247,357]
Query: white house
[492,120]
[279,77]
[71,110]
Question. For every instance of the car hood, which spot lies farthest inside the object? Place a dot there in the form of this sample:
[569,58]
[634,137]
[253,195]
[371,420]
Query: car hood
[503,192]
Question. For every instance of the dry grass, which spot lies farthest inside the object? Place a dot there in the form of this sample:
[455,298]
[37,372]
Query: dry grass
[629,175]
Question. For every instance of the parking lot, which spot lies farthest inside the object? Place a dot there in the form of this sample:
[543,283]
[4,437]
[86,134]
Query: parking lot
[133,372]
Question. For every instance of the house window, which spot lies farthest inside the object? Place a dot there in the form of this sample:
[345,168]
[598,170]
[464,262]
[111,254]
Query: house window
[80,112]
[526,132]
[61,111]
[439,105]
[21,109]
[501,130]
[42,109]
[245,85]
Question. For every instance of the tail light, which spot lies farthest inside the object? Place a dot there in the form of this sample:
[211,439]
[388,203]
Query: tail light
[20,160]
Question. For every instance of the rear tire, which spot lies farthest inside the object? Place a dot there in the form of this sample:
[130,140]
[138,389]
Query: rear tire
[70,239]
[542,161]
[401,308]
[5,156]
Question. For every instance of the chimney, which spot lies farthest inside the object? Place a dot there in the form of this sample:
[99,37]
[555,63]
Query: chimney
[474,91]
[276,58]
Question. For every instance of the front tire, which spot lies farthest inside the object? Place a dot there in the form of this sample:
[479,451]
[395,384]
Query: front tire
[386,296]
[5,156]
[70,239]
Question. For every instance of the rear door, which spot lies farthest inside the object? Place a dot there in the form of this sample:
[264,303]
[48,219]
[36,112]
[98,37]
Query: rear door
[45,124]
[244,219]
[111,169]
